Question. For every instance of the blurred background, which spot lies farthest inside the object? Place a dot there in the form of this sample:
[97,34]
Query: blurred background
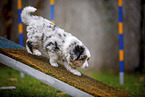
[94,22]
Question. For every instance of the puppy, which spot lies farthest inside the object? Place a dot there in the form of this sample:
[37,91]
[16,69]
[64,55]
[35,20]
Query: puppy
[45,38]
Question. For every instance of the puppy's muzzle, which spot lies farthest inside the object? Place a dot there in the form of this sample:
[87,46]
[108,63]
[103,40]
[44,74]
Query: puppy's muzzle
[85,65]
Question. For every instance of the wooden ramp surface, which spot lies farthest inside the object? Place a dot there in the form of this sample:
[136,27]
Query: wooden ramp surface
[84,83]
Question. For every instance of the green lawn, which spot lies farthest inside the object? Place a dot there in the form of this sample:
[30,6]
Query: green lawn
[26,87]
[134,84]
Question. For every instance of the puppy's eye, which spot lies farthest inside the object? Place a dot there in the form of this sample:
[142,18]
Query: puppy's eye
[82,59]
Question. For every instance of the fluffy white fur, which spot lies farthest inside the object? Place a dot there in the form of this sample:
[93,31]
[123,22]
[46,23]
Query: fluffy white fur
[45,38]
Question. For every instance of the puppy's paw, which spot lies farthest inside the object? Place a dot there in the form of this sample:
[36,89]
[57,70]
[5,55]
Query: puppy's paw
[29,51]
[75,72]
[54,64]
[37,52]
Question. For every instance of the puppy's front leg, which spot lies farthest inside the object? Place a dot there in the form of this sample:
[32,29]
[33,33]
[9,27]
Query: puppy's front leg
[71,69]
[32,48]
[53,59]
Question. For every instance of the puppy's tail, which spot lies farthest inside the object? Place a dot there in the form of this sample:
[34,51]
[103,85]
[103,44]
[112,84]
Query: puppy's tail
[25,15]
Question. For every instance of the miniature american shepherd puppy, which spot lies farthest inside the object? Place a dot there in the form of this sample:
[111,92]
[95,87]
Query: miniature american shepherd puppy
[45,38]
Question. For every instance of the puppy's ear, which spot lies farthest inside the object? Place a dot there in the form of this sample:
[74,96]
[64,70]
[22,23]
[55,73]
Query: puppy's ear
[77,52]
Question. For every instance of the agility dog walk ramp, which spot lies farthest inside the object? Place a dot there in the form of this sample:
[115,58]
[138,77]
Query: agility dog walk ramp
[38,67]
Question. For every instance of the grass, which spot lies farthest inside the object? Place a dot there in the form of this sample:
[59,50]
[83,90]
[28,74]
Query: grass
[134,84]
[26,87]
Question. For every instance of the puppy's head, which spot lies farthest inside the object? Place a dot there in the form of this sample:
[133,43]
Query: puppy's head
[79,56]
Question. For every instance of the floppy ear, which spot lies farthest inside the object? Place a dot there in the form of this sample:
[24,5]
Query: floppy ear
[77,52]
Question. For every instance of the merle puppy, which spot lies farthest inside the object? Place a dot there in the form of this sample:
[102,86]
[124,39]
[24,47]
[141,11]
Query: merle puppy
[45,38]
